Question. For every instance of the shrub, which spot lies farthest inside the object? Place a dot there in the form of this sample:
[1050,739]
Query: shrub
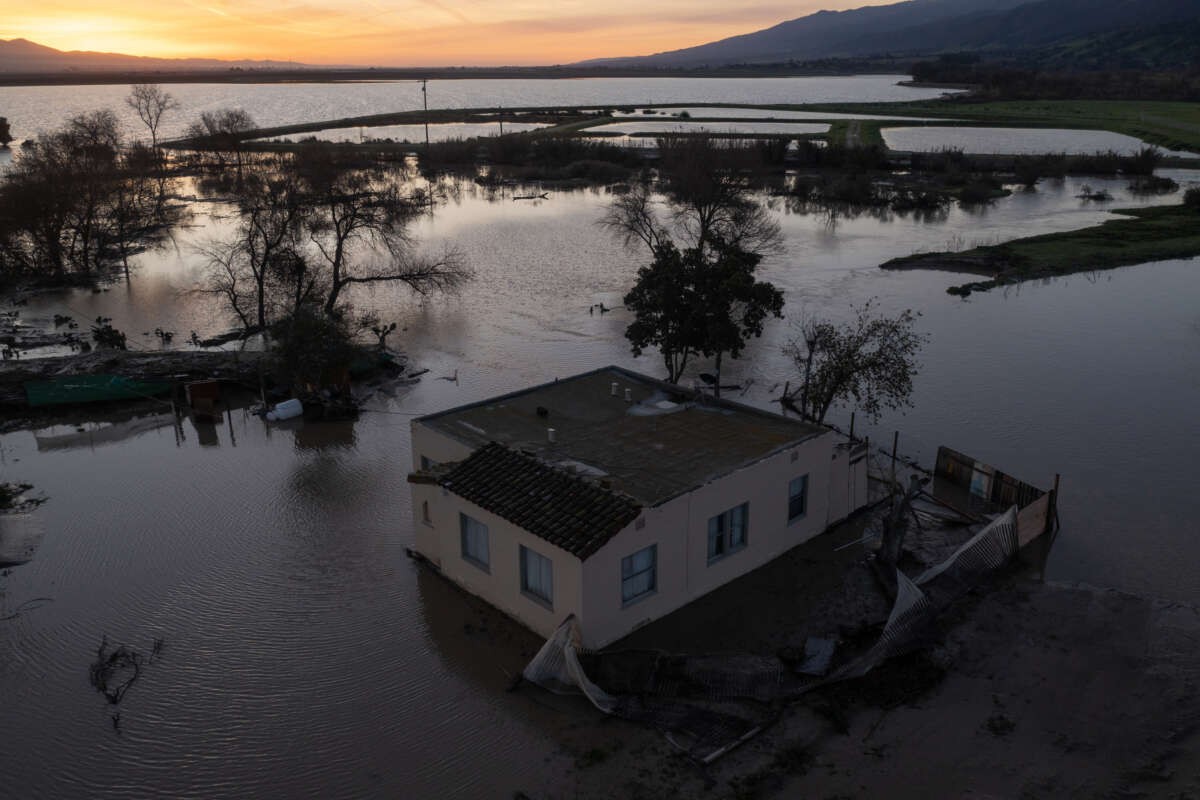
[1191,198]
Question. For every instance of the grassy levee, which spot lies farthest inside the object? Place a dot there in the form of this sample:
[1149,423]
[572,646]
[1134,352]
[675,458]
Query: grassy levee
[1147,234]
[1173,125]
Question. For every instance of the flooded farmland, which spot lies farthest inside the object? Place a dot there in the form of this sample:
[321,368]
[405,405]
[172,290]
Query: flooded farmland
[270,559]
[31,109]
[1013,141]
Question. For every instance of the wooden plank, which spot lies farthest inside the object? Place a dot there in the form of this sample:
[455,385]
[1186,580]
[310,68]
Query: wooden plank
[1031,520]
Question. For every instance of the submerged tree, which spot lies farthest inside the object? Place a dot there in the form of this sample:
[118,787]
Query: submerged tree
[150,103]
[221,133]
[308,230]
[264,248]
[706,199]
[5,133]
[358,224]
[697,302]
[870,361]
[708,233]
[78,200]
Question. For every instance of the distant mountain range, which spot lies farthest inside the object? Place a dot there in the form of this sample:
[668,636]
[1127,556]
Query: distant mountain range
[22,55]
[929,27]
[1059,34]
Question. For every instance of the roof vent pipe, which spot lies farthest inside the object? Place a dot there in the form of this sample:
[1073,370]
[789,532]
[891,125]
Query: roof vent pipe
[613,391]
[629,395]
[550,436]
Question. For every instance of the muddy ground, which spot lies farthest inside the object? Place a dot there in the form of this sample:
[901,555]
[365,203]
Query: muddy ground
[1030,690]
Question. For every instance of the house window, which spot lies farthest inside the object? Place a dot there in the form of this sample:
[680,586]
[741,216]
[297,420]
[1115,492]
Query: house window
[727,531]
[474,541]
[639,574]
[427,463]
[425,513]
[797,497]
[537,576]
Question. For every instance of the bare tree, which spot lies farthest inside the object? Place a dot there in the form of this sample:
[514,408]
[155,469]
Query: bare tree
[707,236]
[706,199]
[151,103]
[870,361]
[222,131]
[358,225]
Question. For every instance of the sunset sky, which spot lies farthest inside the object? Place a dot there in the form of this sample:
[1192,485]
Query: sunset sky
[393,32]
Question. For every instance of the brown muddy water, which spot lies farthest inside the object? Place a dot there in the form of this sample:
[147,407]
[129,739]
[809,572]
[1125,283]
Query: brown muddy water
[306,655]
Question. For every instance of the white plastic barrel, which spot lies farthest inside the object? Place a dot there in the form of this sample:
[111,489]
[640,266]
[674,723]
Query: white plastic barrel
[285,410]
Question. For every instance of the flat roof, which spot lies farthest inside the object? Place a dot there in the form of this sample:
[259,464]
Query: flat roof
[665,441]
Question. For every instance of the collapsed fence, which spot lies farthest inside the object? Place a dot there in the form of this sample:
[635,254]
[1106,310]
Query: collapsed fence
[707,705]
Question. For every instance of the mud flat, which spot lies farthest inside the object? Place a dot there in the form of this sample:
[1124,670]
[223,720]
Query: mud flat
[1034,690]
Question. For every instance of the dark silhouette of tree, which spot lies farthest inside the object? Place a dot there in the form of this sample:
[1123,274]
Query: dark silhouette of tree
[705,198]
[150,103]
[358,225]
[699,302]
[222,132]
[870,361]
[307,230]
[708,232]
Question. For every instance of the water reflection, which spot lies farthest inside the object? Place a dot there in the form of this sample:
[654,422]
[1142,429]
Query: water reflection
[272,558]
[1014,141]
[31,109]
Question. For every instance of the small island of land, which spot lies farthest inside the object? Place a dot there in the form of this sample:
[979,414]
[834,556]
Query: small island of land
[1152,234]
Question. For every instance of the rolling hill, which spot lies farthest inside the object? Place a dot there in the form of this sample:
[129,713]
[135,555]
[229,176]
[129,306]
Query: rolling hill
[22,55]
[925,27]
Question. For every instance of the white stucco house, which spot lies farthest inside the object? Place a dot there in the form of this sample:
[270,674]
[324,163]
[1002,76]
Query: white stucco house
[619,498]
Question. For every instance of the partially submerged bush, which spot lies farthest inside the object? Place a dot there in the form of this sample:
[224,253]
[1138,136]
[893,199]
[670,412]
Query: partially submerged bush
[309,344]
[1191,198]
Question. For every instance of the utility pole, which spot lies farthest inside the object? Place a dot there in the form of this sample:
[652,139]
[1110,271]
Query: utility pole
[425,102]
[811,341]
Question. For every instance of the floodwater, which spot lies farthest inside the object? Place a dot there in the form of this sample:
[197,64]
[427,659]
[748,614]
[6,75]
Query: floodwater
[31,109]
[679,126]
[1014,141]
[306,655]
[748,113]
[416,133]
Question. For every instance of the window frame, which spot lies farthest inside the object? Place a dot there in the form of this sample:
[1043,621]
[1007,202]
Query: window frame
[464,521]
[803,496]
[724,532]
[652,569]
[533,594]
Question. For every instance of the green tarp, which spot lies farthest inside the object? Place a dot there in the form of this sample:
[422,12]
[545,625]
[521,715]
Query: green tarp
[91,389]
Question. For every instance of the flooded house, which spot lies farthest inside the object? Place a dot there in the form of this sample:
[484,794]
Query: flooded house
[619,498]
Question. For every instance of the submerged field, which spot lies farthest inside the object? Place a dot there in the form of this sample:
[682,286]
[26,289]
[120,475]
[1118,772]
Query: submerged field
[271,558]
[1175,126]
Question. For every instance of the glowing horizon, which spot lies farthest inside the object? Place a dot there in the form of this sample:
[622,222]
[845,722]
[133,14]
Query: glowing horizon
[394,32]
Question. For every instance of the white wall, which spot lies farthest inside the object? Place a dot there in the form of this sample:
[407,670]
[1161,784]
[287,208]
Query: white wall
[848,490]
[439,540]
[592,589]
[680,529]
[435,446]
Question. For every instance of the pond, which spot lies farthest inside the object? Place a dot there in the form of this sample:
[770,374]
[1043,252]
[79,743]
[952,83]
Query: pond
[681,126]
[271,559]
[1013,141]
[748,113]
[413,133]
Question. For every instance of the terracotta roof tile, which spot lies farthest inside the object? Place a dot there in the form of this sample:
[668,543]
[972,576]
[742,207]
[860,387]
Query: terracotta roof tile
[572,513]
